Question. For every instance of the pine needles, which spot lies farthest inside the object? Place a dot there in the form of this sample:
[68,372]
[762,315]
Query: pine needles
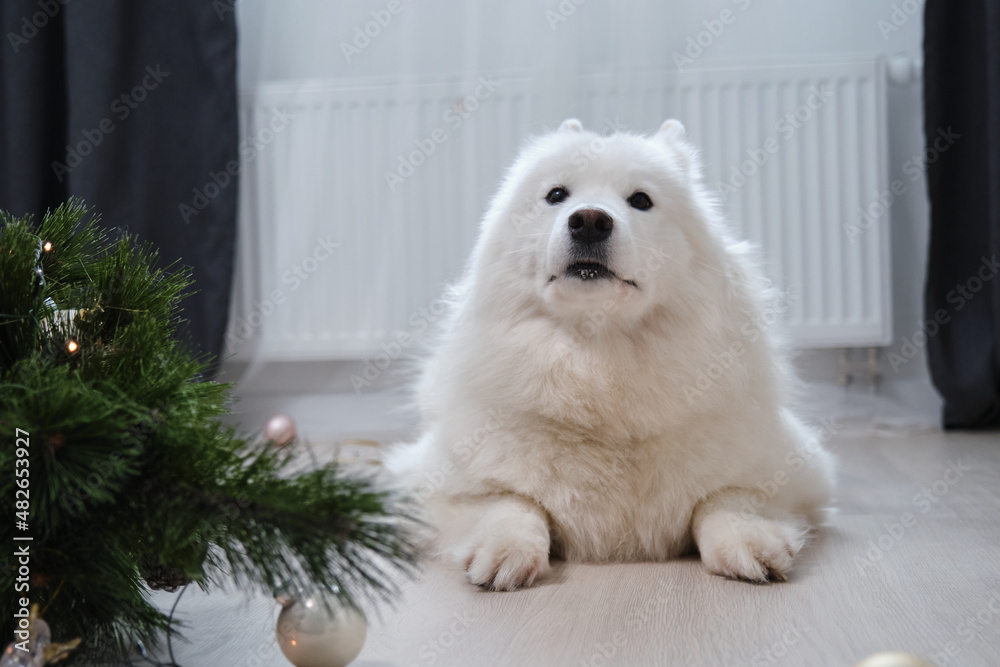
[133,481]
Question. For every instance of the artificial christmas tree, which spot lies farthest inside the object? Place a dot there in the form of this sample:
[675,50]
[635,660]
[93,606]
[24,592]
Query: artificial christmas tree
[115,473]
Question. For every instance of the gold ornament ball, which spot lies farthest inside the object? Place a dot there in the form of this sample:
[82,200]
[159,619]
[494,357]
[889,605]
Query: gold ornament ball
[280,429]
[893,659]
[310,635]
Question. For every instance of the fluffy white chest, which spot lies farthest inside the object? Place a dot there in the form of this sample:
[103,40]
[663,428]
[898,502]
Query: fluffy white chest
[604,502]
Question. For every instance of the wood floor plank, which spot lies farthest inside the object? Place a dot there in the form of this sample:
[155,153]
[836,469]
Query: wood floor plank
[868,583]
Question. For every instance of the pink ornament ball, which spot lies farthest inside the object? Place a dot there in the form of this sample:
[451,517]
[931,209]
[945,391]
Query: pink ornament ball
[279,430]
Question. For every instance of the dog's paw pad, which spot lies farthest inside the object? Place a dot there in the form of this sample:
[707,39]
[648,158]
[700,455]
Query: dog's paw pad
[506,565]
[758,550]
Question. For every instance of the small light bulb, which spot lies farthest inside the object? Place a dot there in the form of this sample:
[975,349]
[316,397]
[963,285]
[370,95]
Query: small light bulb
[72,346]
[47,246]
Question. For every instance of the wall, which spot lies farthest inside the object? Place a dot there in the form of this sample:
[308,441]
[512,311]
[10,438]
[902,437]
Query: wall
[305,39]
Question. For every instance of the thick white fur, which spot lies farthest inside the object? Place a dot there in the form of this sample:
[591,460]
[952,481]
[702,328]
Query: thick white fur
[600,421]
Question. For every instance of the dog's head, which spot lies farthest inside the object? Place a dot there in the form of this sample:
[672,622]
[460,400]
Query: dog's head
[599,225]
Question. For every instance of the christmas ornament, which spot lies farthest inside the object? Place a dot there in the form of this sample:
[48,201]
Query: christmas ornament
[67,320]
[55,652]
[314,634]
[40,650]
[88,337]
[161,577]
[39,635]
[893,659]
[280,430]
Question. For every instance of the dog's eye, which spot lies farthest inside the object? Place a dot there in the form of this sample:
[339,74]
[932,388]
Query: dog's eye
[641,201]
[557,196]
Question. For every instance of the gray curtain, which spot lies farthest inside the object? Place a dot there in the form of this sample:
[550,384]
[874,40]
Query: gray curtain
[132,107]
[962,122]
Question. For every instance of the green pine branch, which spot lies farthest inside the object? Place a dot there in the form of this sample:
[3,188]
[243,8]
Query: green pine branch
[133,479]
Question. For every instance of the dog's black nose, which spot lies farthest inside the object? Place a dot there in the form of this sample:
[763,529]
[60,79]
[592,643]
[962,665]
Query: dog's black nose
[590,225]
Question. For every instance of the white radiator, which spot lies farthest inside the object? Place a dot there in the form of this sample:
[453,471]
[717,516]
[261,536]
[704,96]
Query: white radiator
[796,151]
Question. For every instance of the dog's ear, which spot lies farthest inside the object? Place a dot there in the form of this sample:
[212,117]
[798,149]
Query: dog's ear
[673,135]
[671,131]
[571,125]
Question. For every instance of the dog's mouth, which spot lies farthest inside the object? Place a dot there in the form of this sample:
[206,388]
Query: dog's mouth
[587,270]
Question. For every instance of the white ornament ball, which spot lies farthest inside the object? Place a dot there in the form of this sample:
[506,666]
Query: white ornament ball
[310,635]
[280,429]
[892,659]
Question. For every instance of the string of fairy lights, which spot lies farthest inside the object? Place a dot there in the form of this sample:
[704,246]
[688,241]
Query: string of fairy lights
[44,247]
[72,347]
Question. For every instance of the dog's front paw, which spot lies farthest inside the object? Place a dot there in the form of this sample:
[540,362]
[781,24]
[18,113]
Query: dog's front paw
[507,563]
[753,549]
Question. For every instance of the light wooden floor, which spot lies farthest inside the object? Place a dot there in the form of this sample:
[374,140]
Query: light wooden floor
[868,584]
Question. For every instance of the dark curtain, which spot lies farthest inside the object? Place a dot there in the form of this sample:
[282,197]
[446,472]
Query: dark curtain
[132,107]
[962,123]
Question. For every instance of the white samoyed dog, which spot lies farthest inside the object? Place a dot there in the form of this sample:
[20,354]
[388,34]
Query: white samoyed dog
[604,387]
